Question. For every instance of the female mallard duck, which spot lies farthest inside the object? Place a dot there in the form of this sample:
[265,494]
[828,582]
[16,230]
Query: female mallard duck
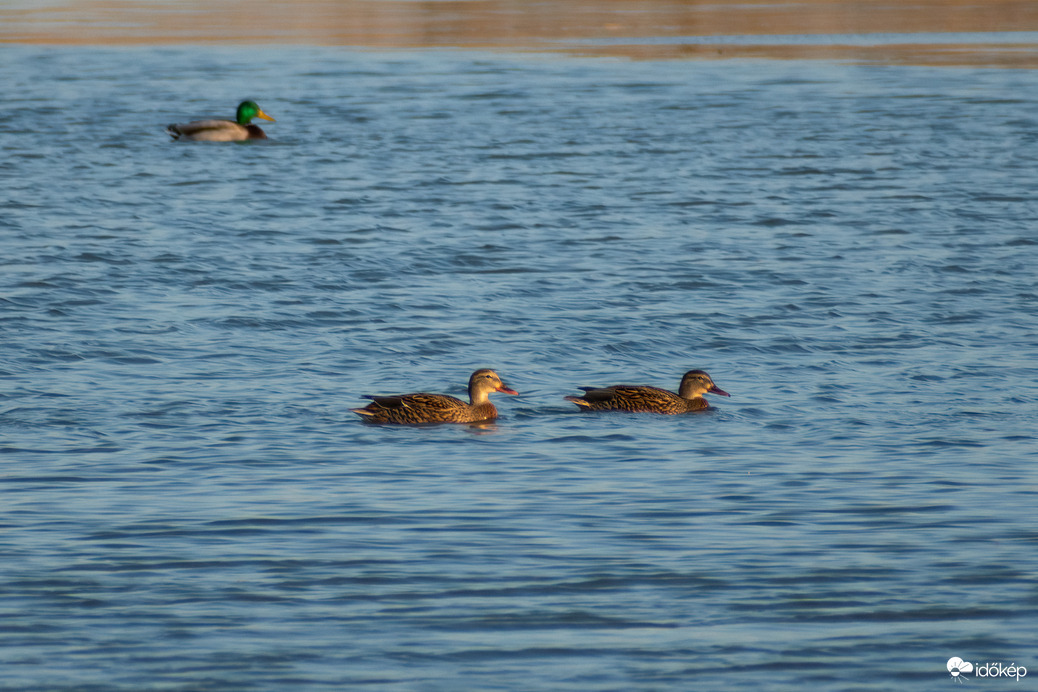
[214,130]
[626,397]
[438,408]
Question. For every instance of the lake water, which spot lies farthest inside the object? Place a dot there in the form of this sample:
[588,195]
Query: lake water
[188,503]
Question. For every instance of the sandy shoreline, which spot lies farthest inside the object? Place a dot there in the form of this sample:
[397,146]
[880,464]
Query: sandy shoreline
[941,32]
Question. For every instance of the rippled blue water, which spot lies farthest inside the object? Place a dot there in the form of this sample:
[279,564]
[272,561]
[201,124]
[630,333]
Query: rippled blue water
[188,503]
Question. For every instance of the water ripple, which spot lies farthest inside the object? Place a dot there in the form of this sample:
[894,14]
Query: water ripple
[190,504]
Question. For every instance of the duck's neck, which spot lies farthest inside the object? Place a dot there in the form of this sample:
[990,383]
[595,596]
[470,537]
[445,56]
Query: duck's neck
[478,396]
[691,391]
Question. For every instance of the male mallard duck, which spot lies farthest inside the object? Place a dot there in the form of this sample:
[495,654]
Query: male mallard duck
[438,408]
[627,397]
[214,130]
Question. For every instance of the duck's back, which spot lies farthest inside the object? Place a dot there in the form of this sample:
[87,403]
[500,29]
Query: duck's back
[633,398]
[214,131]
[425,408]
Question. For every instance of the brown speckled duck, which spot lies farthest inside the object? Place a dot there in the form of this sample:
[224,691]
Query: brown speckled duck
[643,399]
[420,407]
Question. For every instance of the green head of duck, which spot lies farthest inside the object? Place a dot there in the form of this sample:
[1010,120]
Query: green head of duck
[247,110]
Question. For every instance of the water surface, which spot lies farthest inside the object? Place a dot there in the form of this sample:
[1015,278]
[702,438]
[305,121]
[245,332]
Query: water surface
[188,503]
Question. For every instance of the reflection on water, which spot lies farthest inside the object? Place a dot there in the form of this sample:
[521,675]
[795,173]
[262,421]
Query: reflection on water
[919,32]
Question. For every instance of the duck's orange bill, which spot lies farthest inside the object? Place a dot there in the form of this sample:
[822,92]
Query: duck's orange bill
[505,390]
[717,390]
[263,115]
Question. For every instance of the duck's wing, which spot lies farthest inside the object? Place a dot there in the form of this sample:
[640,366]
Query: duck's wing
[213,130]
[637,398]
[599,394]
[418,400]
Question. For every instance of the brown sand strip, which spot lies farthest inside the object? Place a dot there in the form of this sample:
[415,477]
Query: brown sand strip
[585,27]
